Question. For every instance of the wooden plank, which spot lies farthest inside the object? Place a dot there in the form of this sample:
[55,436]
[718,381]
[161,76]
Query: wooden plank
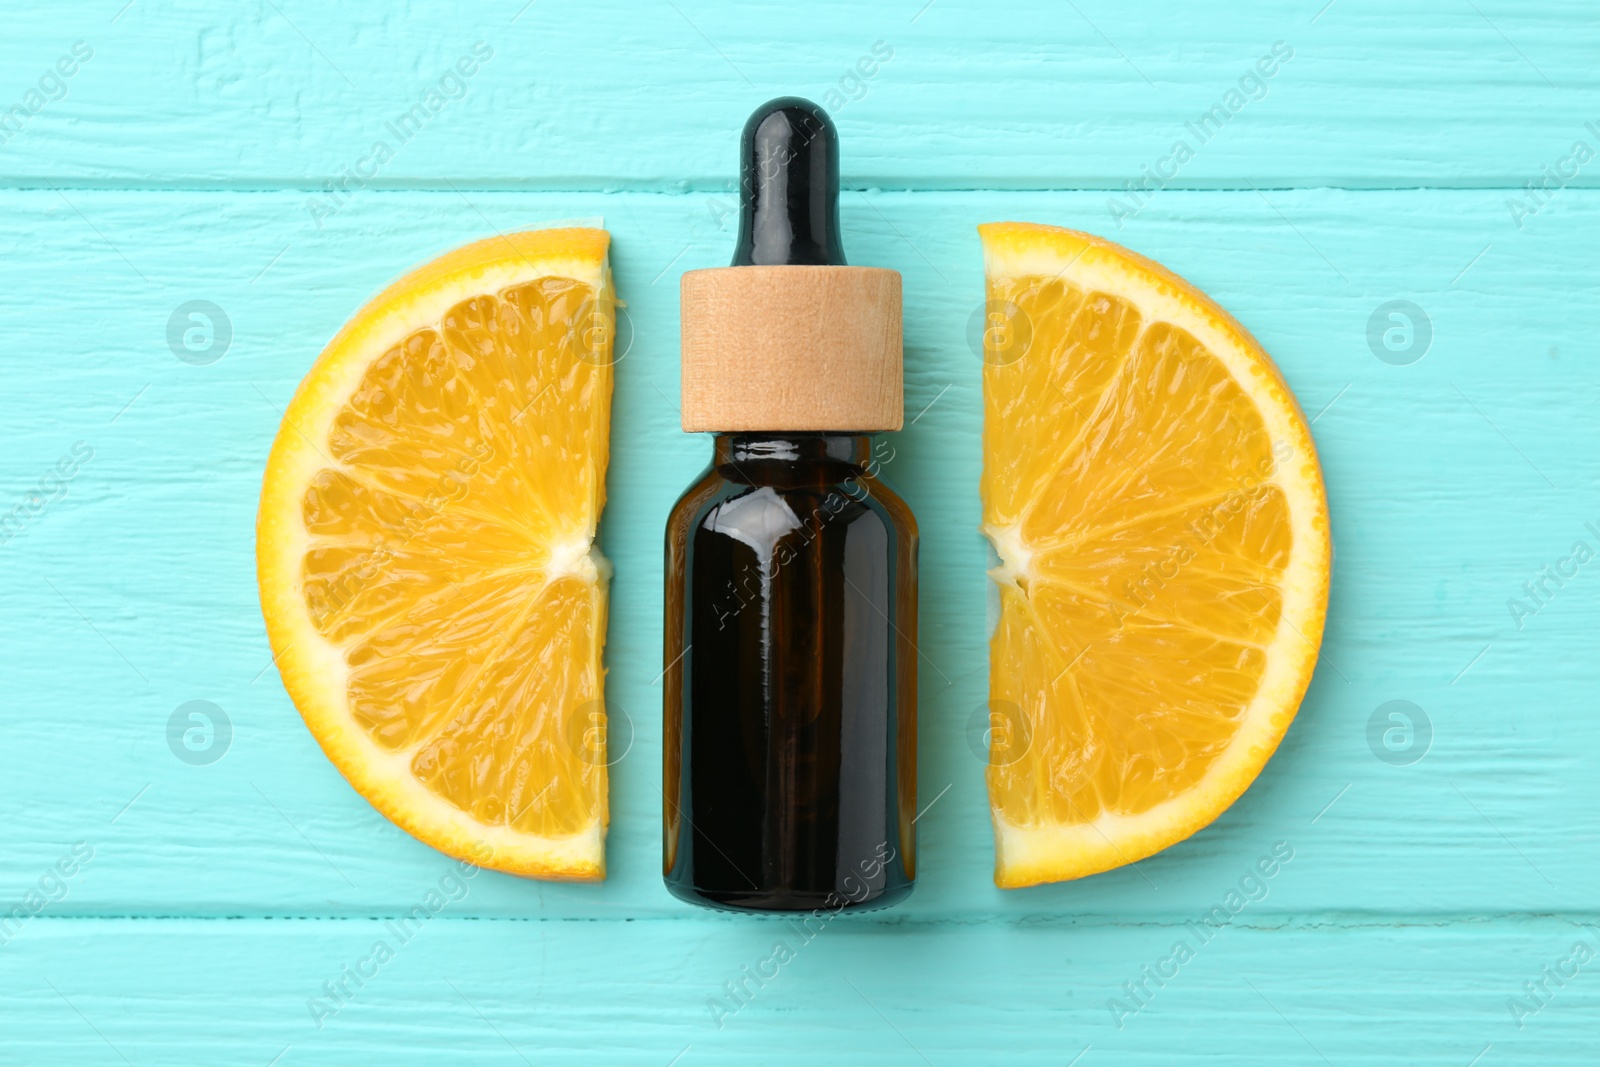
[657,992]
[1454,480]
[958,94]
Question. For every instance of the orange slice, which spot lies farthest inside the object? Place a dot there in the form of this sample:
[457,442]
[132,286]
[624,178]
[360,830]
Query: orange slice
[425,550]
[1151,490]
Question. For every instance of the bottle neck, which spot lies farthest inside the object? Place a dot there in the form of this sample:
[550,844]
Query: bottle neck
[746,449]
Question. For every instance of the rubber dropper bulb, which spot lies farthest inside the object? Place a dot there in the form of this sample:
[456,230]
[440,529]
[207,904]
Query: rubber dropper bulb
[789,187]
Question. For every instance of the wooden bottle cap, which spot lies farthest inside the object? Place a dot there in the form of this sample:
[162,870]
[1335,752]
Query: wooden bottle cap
[792,347]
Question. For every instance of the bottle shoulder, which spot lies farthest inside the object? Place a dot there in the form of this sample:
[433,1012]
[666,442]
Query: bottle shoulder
[694,501]
[754,510]
[793,492]
[894,506]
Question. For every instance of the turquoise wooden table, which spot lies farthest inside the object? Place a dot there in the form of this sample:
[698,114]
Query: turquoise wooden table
[1406,212]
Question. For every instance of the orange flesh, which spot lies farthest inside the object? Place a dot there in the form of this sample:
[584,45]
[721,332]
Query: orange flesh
[1134,471]
[444,554]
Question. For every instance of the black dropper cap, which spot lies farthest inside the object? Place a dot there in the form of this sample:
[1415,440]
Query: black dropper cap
[789,187]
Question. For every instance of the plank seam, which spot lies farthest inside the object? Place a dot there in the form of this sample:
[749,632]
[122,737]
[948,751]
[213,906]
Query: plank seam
[53,186]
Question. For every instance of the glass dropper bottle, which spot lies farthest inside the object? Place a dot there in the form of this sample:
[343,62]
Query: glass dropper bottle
[790,684]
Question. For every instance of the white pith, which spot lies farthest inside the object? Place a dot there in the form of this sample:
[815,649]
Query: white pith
[1013,552]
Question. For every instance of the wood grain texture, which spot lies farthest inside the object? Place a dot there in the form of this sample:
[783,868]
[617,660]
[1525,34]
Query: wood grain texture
[960,94]
[988,993]
[793,347]
[184,164]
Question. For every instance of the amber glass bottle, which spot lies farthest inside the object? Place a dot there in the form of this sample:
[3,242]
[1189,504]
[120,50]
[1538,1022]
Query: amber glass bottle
[791,566]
